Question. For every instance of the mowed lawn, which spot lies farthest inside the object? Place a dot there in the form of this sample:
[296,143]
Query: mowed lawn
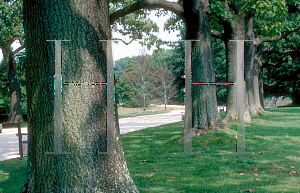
[156,162]
[156,165]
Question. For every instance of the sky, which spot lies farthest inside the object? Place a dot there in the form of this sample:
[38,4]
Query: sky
[121,50]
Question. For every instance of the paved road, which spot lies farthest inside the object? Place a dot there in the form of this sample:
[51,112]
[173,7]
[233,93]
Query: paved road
[9,147]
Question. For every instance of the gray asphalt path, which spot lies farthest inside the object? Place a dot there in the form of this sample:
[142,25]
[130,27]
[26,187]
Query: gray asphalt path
[9,145]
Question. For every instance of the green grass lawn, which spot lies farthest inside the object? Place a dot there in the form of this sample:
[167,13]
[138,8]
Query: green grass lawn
[12,175]
[156,165]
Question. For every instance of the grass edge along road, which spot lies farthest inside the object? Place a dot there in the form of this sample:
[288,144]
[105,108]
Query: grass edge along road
[156,166]
[132,112]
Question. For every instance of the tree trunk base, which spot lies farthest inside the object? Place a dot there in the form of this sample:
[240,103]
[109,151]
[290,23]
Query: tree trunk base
[199,132]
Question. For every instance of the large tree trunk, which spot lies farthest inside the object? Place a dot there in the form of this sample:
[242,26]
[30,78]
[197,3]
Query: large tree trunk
[88,167]
[251,70]
[15,113]
[204,102]
[238,33]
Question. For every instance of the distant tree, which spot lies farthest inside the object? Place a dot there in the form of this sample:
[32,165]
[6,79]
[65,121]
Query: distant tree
[178,51]
[122,90]
[19,61]
[120,65]
[11,29]
[220,67]
[281,67]
[163,60]
[167,89]
[142,77]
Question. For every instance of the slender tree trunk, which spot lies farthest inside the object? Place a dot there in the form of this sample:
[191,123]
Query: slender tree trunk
[204,102]
[166,100]
[144,97]
[238,33]
[88,167]
[16,114]
[165,94]
[143,90]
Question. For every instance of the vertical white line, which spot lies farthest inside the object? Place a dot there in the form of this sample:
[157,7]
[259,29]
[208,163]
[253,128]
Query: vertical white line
[240,97]
[188,98]
[110,99]
[57,101]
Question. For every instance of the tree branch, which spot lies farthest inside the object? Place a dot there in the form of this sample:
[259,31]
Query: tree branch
[148,4]
[226,5]
[286,38]
[233,7]
[18,49]
[20,41]
[217,34]
[258,41]
[10,41]
[280,53]
[123,41]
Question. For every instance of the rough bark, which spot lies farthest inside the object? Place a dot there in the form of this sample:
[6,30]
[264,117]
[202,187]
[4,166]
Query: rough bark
[258,65]
[15,113]
[88,167]
[204,102]
[251,69]
[238,33]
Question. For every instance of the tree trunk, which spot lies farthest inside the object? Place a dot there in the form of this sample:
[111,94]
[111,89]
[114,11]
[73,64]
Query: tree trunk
[257,60]
[204,102]
[261,89]
[260,93]
[15,114]
[165,100]
[238,33]
[165,93]
[88,167]
[251,70]
[144,98]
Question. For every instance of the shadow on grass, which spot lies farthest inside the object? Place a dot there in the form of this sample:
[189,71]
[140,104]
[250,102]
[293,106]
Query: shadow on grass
[156,166]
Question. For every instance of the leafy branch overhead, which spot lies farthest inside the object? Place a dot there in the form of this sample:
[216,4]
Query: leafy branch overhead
[11,18]
[130,18]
